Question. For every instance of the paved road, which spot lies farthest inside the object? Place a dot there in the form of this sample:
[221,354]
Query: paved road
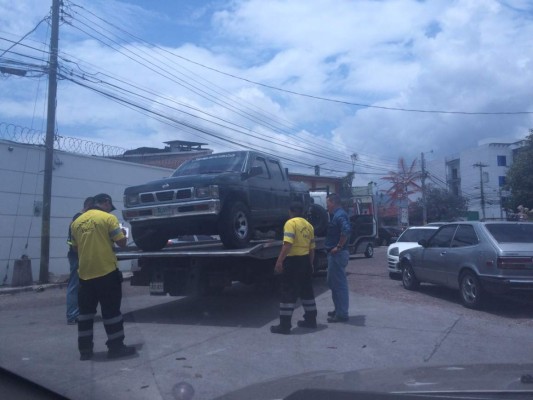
[222,344]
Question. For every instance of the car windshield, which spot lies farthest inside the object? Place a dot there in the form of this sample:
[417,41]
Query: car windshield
[414,235]
[225,162]
[511,233]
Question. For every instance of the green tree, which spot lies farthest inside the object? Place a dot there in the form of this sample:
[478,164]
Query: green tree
[442,205]
[520,176]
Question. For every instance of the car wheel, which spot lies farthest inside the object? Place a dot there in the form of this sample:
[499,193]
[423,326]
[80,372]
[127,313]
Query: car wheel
[409,280]
[369,251]
[235,228]
[148,239]
[472,295]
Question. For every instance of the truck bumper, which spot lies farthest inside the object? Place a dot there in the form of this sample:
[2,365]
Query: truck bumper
[210,207]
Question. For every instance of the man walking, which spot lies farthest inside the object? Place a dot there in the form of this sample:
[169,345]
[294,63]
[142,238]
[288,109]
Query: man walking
[94,233]
[295,264]
[336,244]
[73,280]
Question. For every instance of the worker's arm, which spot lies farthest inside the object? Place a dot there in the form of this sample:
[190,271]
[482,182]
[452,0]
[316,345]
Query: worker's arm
[282,255]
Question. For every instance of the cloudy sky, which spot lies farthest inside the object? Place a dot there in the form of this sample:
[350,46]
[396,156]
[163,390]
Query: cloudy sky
[313,81]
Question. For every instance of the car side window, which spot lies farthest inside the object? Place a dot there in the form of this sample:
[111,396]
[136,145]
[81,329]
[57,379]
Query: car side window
[443,237]
[465,236]
[261,162]
[275,168]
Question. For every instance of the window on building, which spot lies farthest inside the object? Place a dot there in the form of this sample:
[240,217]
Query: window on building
[455,173]
[501,181]
[502,161]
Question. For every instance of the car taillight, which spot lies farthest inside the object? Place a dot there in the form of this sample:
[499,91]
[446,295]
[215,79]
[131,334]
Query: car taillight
[515,262]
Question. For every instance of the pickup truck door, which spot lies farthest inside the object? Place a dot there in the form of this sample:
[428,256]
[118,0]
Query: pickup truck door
[259,186]
[280,190]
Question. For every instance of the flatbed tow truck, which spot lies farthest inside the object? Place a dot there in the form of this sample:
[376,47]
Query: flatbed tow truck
[206,267]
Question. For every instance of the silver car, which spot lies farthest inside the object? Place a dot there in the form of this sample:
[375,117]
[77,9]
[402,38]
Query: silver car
[475,257]
[407,240]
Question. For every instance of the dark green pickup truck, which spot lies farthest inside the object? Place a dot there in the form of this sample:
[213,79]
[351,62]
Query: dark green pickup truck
[232,195]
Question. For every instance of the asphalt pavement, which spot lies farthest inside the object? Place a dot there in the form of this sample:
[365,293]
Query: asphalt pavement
[215,346]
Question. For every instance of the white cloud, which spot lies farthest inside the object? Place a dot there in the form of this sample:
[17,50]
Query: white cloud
[468,55]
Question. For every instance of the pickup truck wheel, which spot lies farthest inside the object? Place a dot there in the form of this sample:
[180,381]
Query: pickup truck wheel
[318,217]
[235,228]
[369,251]
[148,240]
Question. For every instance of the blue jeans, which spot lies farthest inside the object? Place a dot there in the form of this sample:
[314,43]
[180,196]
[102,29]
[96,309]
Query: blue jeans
[72,288]
[337,281]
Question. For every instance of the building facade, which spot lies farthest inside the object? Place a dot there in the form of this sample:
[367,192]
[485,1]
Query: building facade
[479,174]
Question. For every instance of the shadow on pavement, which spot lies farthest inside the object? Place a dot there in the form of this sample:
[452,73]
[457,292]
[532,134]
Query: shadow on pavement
[240,305]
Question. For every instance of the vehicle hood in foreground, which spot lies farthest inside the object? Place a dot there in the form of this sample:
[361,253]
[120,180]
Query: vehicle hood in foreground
[480,378]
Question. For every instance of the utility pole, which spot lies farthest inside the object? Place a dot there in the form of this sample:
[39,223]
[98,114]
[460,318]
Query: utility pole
[423,179]
[49,145]
[481,166]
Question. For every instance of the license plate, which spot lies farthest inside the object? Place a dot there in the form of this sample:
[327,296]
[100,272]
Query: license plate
[157,287]
[163,211]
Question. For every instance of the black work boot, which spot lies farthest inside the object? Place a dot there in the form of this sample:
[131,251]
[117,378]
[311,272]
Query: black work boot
[307,323]
[284,326]
[121,351]
[280,329]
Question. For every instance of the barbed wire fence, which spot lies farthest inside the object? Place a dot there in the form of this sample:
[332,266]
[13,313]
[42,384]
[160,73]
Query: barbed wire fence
[20,134]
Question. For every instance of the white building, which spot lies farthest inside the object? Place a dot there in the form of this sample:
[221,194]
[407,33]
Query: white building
[479,175]
[75,177]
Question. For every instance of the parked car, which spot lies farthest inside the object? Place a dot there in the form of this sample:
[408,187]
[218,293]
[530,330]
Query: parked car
[477,258]
[407,240]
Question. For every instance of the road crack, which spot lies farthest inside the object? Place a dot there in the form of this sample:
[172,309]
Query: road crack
[441,340]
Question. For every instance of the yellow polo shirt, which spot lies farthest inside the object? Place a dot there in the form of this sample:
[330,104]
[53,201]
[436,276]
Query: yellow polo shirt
[300,234]
[93,233]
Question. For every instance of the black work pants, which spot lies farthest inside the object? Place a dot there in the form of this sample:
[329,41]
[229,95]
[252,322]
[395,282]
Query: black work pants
[106,290]
[296,282]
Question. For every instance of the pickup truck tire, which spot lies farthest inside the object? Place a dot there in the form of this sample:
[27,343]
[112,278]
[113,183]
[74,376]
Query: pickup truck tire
[147,239]
[235,227]
[369,251]
[318,217]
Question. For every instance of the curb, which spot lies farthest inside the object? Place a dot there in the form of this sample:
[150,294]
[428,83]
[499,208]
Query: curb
[41,288]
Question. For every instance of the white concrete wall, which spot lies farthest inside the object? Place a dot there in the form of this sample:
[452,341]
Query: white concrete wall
[75,177]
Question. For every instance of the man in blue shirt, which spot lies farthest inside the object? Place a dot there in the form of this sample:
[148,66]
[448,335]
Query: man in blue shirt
[336,244]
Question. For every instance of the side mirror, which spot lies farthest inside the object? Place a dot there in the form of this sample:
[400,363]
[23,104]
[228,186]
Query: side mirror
[423,242]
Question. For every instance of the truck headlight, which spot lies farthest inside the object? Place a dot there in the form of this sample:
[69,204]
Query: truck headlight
[131,200]
[207,192]
[394,251]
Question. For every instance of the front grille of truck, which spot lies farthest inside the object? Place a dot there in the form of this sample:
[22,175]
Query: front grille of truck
[166,196]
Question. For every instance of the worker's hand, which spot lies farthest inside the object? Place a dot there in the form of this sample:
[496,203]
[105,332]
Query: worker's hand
[334,250]
[278,269]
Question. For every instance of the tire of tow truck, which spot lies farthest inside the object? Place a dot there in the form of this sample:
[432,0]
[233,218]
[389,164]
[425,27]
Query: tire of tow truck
[148,240]
[235,228]
[318,217]
[369,251]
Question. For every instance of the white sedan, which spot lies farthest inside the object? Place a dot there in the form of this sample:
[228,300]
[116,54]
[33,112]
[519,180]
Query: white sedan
[407,240]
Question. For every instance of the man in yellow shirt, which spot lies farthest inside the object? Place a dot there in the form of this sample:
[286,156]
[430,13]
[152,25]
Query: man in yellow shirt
[93,234]
[295,264]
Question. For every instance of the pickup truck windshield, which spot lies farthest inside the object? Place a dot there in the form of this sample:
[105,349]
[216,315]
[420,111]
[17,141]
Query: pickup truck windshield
[226,162]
